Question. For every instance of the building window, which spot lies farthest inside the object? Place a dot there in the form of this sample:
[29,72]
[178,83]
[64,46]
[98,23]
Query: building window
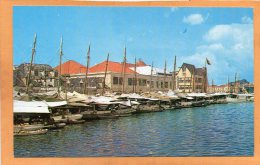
[140,82]
[130,81]
[144,82]
[161,84]
[166,84]
[36,72]
[152,84]
[117,80]
[199,80]
[157,84]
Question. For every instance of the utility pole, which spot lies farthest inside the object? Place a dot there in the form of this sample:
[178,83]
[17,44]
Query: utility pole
[86,76]
[30,69]
[104,81]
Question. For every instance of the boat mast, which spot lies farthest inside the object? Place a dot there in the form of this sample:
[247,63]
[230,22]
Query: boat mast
[164,77]
[205,77]
[235,83]
[135,79]
[228,85]
[45,77]
[123,77]
[238,83]
[104,81]
[174,75]
[86,76]
[30,69]
[193,79]
[61,53]
[212,83]
[151,76]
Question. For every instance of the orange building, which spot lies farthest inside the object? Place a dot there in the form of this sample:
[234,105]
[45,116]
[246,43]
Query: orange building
[114,77]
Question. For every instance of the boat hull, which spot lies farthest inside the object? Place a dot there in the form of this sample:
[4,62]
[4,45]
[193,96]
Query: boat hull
[34,132]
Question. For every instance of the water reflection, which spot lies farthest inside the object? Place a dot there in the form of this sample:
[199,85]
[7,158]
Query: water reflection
[216,130]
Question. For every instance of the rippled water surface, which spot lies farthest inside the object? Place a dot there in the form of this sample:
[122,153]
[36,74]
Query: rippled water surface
[215,130]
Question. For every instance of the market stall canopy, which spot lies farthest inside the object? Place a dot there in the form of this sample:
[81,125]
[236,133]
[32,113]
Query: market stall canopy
[196,94]
[30,107]
[56,103]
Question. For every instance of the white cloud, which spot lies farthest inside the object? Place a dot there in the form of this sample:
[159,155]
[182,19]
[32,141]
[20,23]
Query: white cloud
[194,19]
[246,20]
[230,50]
[211,47]
[219,32]
[231,34]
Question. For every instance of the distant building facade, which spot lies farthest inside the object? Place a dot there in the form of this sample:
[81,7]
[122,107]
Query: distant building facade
[218,88]
[192,79]
[145,81]
[42,75]
[136,79]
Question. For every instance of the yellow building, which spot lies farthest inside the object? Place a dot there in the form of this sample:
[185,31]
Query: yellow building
[192,79]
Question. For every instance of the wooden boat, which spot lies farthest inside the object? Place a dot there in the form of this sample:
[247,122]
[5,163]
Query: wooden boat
[75,121]
[27,127]
[238,98]
[201,103]
[65,118]
[217,98]
[148,108]
[34,132]
[56,126]
[124,112]
[94,114]
[111,116]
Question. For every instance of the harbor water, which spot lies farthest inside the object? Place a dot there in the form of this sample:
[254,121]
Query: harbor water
[215,130]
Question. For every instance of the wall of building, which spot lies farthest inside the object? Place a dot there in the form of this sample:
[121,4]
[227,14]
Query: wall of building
[114,82]
[188,82]
[185,81]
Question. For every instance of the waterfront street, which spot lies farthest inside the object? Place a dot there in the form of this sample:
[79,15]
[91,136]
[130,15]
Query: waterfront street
[215,130]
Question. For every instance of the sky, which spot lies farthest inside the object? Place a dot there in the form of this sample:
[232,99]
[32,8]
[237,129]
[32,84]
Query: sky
[153,34]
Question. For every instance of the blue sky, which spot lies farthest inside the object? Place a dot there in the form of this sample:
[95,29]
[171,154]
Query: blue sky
[223,35]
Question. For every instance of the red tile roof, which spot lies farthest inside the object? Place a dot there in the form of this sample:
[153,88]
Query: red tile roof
[71,67]
[112,66]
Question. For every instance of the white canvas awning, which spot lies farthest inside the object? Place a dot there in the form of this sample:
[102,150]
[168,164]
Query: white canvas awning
[30,107]
[190,98]
[196,94]
[56,103]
